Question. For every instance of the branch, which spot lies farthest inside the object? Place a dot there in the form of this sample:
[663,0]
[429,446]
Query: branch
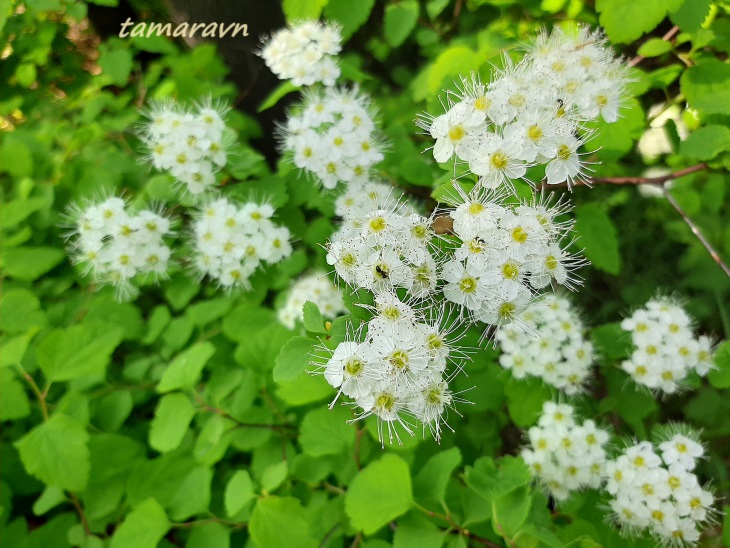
[80,511]
[696,231]
[590,181]
[457,528]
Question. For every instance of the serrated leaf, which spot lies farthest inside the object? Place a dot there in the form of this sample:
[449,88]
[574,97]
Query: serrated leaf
[495,479]
[14,402]
[280,521]
[293,359]
[57,452]
[379,493]
[172,419]
[626,20]
[193,495]
[274,475]
[451,62]
[239,490]
[144,527]
[706,143]
[598,236]
[706,86]
[185,369]
[431,481]
[720,376]
[301,10]
[313,320]
[399,21]
[116,65]
[510,511]
[690,16]
[326,432]
[350,15]
[83,349]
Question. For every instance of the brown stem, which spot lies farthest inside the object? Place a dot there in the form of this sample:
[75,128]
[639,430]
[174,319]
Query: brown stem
[630,180]
[696,231]
[359,434]
[668,36]
[458,529]
[80,511]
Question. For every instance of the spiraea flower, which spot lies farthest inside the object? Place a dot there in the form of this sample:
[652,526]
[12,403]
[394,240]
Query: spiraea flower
[504,255]
[658,492]
[383,247]
[548,343]
[305,53]
[564,455]
[665,349]
[317,288]
[230,241]
[395,367]
[116,245]
[187,143]
[531,112]
[332,135]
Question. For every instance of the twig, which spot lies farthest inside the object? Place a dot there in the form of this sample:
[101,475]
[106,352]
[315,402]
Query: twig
[630,180]
[41,396]
[668,36]
[696,231]
[457,528]
[80,511]
[359,434]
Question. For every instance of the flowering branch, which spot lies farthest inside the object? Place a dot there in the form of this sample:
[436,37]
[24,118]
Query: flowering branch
[590,181]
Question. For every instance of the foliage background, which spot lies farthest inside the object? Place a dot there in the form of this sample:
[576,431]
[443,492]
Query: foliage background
[186,418]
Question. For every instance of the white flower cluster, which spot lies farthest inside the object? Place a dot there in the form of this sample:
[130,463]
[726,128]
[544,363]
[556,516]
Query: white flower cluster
[396,370]
[532,112]
[548,342]
[315,287]
[564,455]
[333,136]
[116,245]
[187,144]
[505,254]
[383,247]
[660,494]
[665,349]
[304,54]
[231,242]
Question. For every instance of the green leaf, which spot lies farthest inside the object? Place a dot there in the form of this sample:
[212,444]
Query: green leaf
[171,422]
[706,143]
[280,521]
[113,410]
[83,349]
[279,92]
[326,432]
[209,535]
[706,86]
[379,493]
[690,16]
[510,511]
[654,47]
[611,342]
[720,377]
[159,478]
[116,64]
[13,350]
[350,15]
[313,320]
[293,359]
[204,312]
[123,315]
[239,490]
[494,480]
[144,527]
[14,402]
[193,495]
[49,499]
[57,452]
[626,20]
[274,475]
[30,263]
[19,311]
[598,236]
[300,10]
[450,63]
[431,481]
[399,20]
[185,369]
[16,159]
[525,398]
